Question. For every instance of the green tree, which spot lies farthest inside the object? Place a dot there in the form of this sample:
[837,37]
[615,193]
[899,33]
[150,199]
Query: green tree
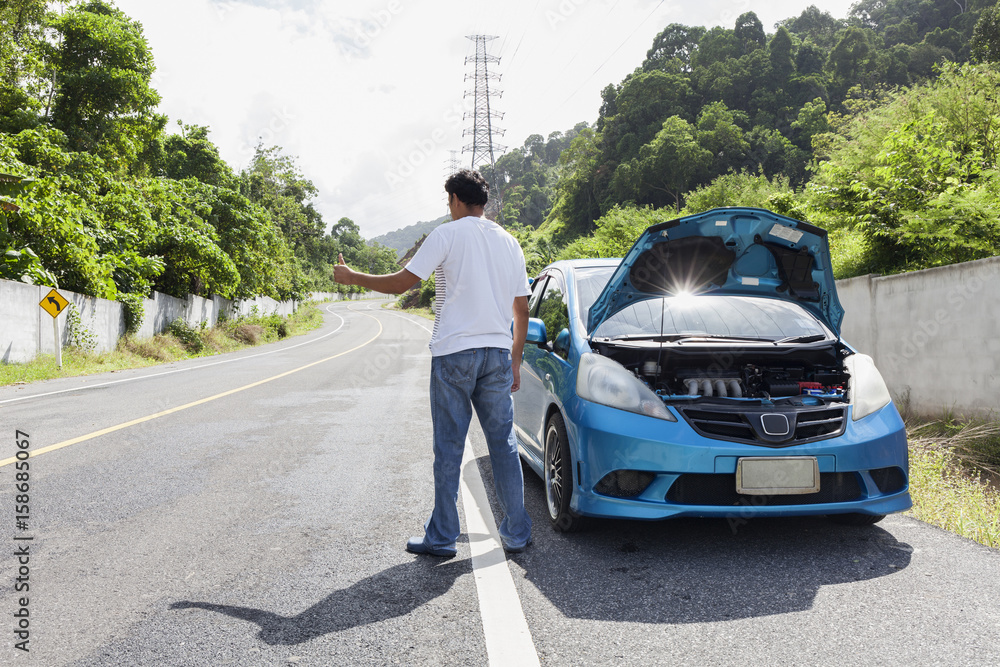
[274,182]
[809,59]
[104,102]
[717,45]
[916,176]
[819,27]
[190,154]
[779,51]
[811,121]
[615,232]
[644,101]
[673,49]
[576,203]
[719,133]
[985,44]
[23,72]
[19,262]
[853,57]
[669,163]
[741,188]
[347,239]
[749,32]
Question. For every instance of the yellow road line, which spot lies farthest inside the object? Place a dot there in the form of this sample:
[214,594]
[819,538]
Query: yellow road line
[140,420]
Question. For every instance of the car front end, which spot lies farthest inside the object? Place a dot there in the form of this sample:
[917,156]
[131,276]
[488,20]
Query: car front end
[707,378]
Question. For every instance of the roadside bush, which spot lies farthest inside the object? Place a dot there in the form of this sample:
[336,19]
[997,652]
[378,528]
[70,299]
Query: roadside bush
[275,324]
[188,336]
[250,334]
[617,230]
[160,348]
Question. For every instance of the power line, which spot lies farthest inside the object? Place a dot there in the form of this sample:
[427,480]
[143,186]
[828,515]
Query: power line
[608,59]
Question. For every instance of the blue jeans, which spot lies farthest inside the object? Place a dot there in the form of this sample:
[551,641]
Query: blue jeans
[479,378]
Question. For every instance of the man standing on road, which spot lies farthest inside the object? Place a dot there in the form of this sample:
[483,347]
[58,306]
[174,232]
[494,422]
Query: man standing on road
[481,285]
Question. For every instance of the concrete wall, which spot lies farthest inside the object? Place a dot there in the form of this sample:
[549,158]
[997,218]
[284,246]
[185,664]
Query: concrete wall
[934,334]
[26,329]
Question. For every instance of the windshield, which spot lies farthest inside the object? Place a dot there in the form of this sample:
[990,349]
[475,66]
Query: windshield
[589,283]
[743,317]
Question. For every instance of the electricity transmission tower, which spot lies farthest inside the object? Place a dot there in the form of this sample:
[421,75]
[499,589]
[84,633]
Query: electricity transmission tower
[452,164]
[483,130]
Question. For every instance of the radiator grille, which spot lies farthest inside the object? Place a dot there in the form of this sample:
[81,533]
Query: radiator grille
[805,424]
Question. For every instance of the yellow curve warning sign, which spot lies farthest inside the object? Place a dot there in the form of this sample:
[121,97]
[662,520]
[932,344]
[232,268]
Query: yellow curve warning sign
[53,303]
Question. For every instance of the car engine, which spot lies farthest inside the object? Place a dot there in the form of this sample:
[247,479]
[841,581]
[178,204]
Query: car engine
[678,372]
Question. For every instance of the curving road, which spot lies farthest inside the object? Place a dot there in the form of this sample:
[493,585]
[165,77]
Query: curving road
[251,509]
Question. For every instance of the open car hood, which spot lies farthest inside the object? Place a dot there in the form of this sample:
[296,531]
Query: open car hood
[737,251]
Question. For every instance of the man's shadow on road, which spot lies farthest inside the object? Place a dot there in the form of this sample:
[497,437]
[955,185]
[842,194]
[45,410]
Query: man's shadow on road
[388,594]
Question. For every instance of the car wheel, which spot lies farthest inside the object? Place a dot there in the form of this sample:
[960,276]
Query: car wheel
[855,519]
[559,477]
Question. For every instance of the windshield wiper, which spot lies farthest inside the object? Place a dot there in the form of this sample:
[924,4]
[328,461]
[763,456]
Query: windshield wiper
[660,338]
[746,339]
[680,338]
[809,338]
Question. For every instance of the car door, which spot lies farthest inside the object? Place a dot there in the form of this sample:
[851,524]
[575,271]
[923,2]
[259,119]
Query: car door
[544,366]
[528,400]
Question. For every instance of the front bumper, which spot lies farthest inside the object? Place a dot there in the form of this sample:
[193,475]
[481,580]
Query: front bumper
[864,470]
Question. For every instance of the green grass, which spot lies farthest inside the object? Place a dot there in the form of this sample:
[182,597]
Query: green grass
[426,313]
[179,342]
[954,477]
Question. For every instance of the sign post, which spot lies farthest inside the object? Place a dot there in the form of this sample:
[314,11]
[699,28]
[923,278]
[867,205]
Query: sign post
[54,304]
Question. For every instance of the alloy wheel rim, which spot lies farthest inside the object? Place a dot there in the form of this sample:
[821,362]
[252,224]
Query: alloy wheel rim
[553,472]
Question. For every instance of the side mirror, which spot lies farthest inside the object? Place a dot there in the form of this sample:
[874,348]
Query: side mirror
[536,332]
[561,343]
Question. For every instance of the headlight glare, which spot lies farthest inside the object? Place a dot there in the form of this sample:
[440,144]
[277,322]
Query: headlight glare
[601,380]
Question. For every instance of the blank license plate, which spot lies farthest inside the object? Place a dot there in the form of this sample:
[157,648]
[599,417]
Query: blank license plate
[786,475]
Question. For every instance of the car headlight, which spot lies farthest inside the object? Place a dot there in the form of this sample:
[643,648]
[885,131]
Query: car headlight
[601,380]
[868,390]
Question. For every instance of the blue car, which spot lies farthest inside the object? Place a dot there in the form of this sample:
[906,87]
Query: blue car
[704,375]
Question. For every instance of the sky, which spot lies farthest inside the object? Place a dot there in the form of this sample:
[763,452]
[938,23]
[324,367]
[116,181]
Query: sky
[369,95]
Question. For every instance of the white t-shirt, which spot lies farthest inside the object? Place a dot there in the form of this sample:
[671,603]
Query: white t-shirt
[479,271]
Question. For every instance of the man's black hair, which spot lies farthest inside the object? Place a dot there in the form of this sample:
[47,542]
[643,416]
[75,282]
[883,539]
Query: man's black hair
[469,186]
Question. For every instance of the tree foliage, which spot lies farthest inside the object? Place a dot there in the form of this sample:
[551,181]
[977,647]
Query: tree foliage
[97,197]
[868,125]
[756,100]
[917,177]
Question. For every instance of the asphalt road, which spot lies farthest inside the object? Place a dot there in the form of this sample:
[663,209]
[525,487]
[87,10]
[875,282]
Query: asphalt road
[251,509]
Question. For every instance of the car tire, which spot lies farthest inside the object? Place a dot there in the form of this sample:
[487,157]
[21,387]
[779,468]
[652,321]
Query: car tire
[855,519]
[558,465]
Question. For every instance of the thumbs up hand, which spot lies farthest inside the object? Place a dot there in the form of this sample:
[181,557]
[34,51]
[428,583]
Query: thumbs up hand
[341,272]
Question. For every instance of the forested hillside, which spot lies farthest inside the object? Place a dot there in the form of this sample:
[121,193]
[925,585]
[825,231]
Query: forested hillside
[403,239]
[103,196]
[875,126]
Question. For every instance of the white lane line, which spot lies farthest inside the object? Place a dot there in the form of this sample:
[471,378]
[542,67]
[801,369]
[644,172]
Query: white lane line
[508,639]
[181,370]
